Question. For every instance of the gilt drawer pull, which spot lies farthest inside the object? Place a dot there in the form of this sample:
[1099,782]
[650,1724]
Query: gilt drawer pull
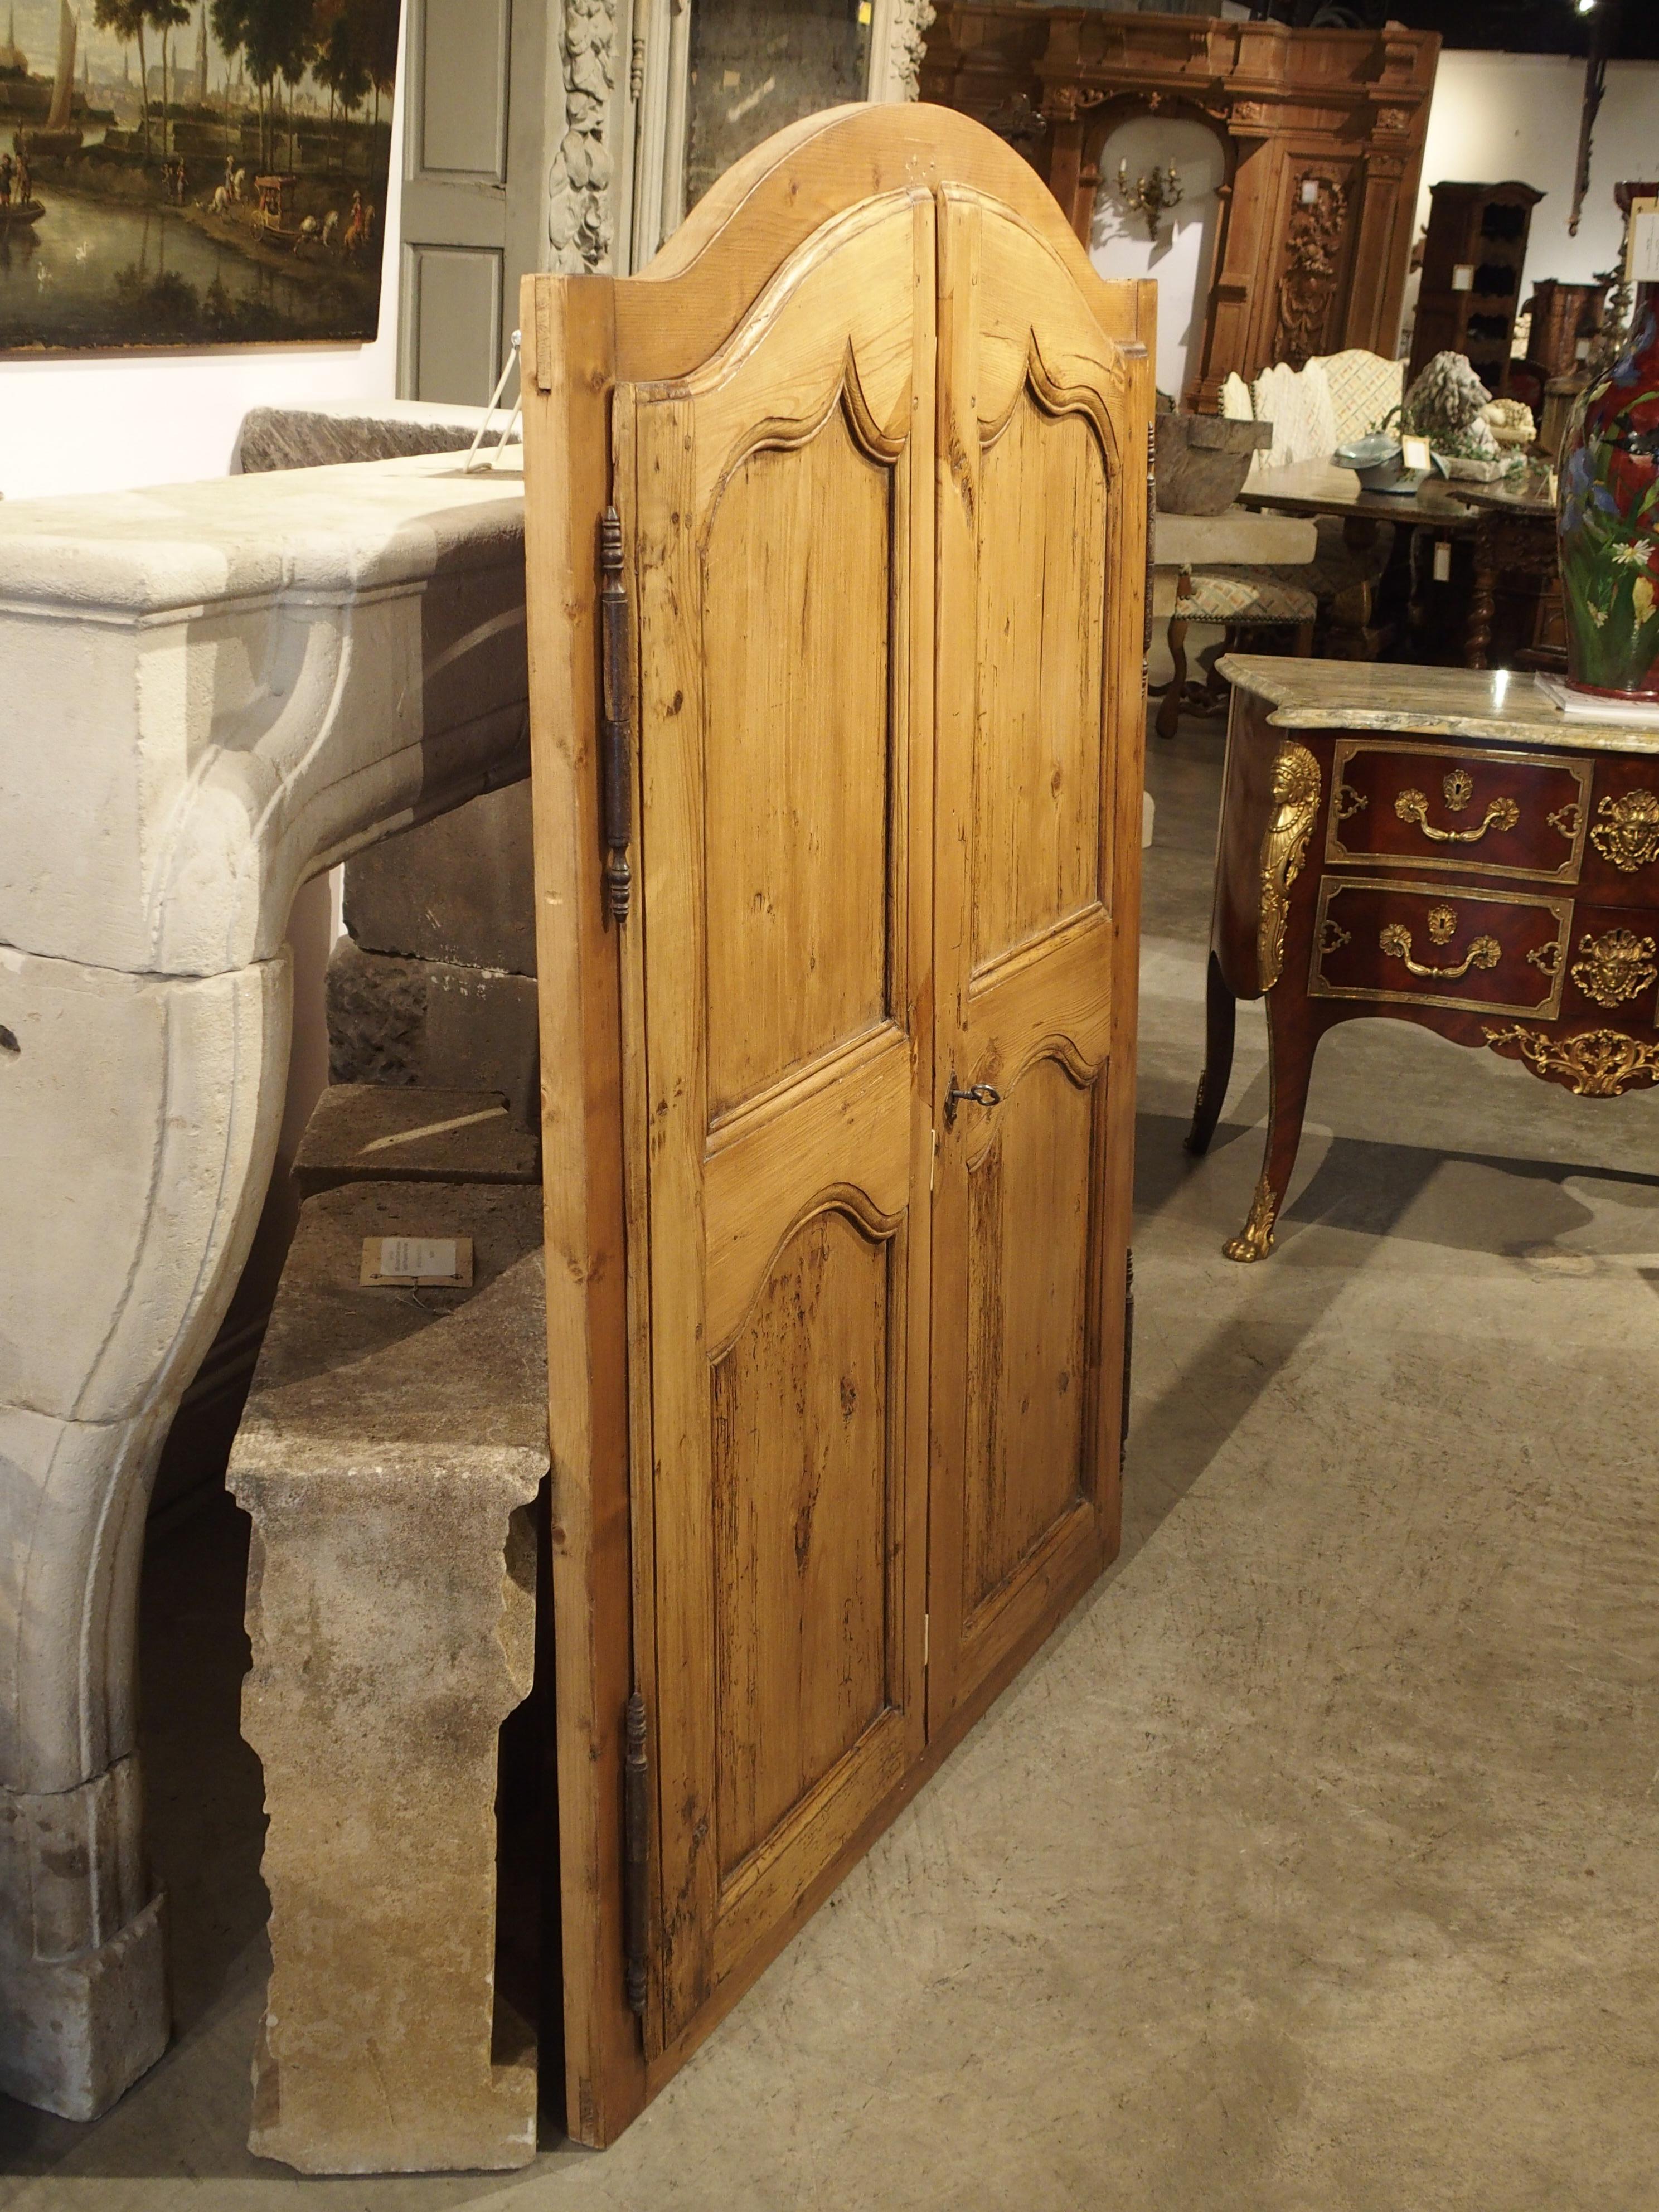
[1629,838]
[1396,942]
[1413,806]
[1614,968]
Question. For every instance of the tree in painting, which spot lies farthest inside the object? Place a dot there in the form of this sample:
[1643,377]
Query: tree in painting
[342,63]
[166,15]
[251,214]
[127,19]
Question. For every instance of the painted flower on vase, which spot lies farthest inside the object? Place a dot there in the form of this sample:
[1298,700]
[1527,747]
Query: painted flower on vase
[1608,526]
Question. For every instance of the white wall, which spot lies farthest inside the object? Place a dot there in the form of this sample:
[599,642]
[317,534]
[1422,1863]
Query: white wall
[106,422]
[1497,116]
[1180,258]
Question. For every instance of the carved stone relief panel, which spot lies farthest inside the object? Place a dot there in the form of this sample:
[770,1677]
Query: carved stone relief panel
[580,218]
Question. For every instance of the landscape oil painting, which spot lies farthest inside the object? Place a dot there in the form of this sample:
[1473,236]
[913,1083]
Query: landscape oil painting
[188,173]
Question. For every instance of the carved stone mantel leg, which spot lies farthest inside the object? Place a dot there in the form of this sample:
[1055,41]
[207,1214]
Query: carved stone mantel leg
[213,692]
[133,1206]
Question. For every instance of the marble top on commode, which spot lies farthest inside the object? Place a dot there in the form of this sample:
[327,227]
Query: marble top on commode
[1502,703]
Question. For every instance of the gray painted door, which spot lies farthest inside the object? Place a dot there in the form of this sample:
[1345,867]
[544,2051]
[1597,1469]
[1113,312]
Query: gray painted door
[473,191]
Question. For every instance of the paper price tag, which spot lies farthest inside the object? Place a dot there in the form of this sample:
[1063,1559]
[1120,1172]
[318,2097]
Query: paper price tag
[407,1261]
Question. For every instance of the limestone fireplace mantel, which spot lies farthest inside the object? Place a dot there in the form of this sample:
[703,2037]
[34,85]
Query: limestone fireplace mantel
[211,693]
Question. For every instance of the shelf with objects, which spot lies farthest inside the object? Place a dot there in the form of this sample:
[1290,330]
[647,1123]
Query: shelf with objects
[1474,260]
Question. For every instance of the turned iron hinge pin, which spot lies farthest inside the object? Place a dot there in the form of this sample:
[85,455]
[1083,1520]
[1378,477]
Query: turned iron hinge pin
[1128,1351]
[616,720]
[636,1848]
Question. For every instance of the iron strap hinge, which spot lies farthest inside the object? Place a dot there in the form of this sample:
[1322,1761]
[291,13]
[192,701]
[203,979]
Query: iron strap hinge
[636,1855]
[1128,1353]
[616,716]
[1152,538]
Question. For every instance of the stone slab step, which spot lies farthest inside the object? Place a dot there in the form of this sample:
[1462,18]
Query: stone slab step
[392,1133]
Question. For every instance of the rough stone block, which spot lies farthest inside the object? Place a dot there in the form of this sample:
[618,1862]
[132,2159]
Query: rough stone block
[433,1023]
[381,1133]
[324,433]
[461,888]
[392,1449]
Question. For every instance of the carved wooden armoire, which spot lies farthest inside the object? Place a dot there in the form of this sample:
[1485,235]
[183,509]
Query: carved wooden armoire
[837,542]
[1323,134]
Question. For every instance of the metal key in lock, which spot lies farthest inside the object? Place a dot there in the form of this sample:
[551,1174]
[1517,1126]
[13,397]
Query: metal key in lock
[977,1094]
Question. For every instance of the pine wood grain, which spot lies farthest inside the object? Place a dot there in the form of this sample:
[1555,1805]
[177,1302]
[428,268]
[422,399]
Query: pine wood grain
[774,493]
[1039,737]
[567,484]
[833,1376]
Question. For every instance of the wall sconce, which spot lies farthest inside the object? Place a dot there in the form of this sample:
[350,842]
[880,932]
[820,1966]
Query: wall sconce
[1152,195]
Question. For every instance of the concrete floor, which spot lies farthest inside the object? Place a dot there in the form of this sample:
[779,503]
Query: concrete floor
[1310,1867]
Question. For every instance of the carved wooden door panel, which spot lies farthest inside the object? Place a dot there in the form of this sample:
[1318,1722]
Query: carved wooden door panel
[1039,751]
[836,1351]
[778,507]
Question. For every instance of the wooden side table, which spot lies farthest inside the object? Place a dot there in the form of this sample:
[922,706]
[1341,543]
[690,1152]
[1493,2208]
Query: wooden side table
[1515,569]
[1421,609]
[1439,845]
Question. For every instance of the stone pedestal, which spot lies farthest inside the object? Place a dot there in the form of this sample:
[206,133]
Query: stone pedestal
[390,1455]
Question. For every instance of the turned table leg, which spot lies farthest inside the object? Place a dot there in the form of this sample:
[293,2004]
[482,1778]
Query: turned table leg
[1169,713]
[1477,636]
[1220,1014]
[1291,1044]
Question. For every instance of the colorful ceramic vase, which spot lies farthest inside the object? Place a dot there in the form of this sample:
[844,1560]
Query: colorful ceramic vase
[1608,526]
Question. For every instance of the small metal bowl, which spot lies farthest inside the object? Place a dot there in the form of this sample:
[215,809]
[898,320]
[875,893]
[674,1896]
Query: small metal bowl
[1376,461]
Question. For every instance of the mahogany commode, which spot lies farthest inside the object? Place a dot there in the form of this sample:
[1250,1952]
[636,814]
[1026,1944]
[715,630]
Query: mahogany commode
[1440,845]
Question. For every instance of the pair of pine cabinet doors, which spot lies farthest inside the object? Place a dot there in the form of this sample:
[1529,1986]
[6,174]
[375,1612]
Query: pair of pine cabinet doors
[837,537]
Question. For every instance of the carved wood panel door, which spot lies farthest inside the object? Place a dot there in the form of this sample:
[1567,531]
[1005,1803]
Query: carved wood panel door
[837,1129]
[779,503]
[1039,703]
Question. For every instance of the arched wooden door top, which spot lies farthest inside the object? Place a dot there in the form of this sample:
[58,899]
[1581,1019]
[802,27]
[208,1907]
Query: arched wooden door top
[776,197]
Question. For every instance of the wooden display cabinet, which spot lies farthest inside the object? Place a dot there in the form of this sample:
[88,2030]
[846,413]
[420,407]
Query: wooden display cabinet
[1321,132]
[1565,317]
[1472,262]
